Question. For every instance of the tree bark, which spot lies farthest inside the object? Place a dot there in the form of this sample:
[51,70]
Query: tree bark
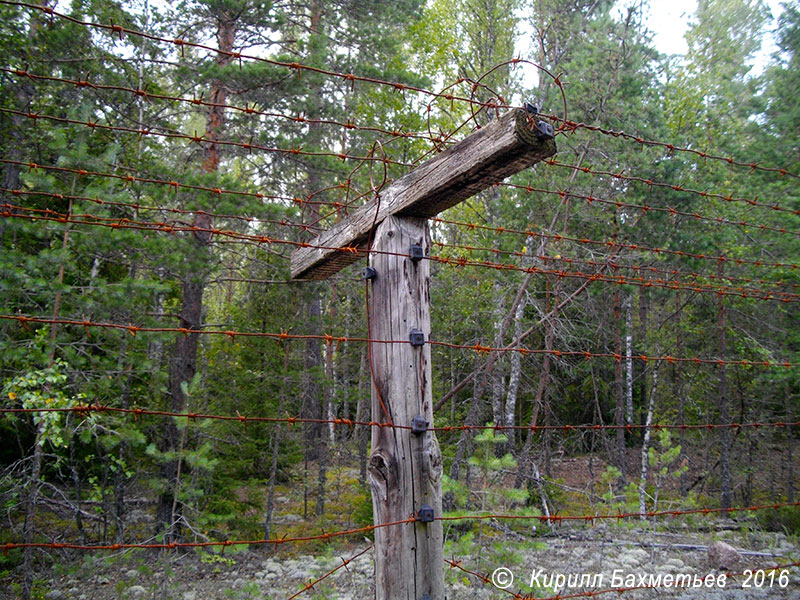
[526,457]
[723,403]
[651,406]
[513,378]
[273,468]
[619,393]
[498,405]
[789,444]
[680,390]
[629,359]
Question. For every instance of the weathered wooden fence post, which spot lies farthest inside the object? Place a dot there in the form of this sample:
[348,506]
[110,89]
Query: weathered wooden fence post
[405,466]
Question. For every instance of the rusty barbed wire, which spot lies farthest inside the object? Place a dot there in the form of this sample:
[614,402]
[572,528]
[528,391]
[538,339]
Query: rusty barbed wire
[650,268]
[208,544]
[572,126]
[198,139]
[619,245]
[619,516]
[326,536]
[567,126]
[8,210]
[143,93]
[142,207]
[674,187]
[181,43]
[301,201]
[177,185]
[335,341]
[306,227]
[344,564]
[597,276]
[137,412]
[646,208]
[723,290]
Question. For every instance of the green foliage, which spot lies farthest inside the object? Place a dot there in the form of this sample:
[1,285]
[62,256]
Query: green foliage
[489,494]
[662,458]
[362,510]
[785,519]
[40,389]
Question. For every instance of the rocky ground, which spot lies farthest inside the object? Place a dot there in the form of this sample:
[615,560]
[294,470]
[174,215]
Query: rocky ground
[600,553]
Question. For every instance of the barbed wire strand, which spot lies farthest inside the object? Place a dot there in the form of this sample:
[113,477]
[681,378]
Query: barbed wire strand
[567,126]
[572,126]
[143,93]
[619,176]
[325,536]
[146,208]
[181,43]
[344,564]
[12,211]
[724,290]
[197,139]
[621,245]
[177,185]
[647,208]
[332,340]
[137,412]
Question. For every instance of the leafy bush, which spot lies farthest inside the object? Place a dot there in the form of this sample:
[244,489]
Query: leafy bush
[785,519]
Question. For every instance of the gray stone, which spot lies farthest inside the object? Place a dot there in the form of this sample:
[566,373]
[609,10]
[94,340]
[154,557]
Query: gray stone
[723,556]
[136,591]
[132,574]
[288,519]
[190,595]
[54,595]
[103,580]
[298,573]
[675,563]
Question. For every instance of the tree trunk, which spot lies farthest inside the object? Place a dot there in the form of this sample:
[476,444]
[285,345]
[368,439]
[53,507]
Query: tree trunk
[514,378]
[273,468]
[680,389]
[723,403]
[629,359]
[184,353]
[644,310]
[526,457]
[29,525]
[789,444]
[182,370]
[619,391]
[651,406]
[405,469]
[498,406]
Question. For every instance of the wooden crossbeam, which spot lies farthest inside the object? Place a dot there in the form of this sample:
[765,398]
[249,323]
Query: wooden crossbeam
[505,146]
